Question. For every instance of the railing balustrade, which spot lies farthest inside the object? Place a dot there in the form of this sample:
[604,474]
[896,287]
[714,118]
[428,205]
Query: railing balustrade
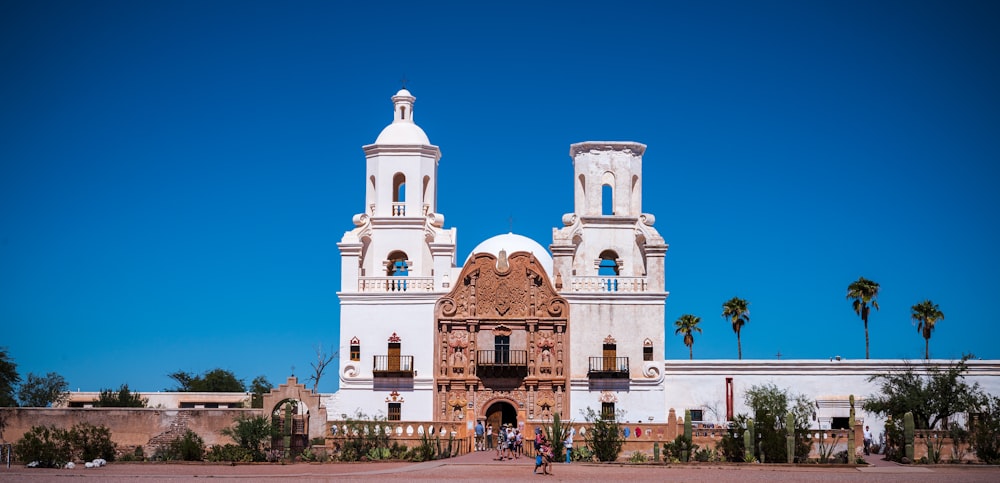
[608,284]
[395,284]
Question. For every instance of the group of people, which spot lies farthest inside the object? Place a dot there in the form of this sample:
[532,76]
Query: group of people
[510,445]
[509,441]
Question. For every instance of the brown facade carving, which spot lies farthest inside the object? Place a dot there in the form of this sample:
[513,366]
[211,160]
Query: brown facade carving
[500,333]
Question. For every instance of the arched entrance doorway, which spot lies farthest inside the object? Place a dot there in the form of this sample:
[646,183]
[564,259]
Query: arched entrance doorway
[501,413]
[290,420]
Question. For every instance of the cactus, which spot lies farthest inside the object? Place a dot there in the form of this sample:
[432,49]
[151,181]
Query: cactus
[656,452]
[685,453]
[908,434]
[851,448]
[790,437]
[748,442]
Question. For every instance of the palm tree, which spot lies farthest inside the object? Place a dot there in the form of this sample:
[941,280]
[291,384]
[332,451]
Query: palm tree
[737,311]
[862,293]
[926,314]
[687,324]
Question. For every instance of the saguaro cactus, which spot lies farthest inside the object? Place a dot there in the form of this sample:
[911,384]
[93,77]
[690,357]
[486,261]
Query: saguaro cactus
[790,437]
[908,435]
[656,452]
[686,452]
[748,442]
[851,448]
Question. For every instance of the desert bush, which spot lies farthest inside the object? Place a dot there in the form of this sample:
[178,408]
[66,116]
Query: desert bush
[90,442]
[189,447]
[47,445]
[229,453]
[604,438]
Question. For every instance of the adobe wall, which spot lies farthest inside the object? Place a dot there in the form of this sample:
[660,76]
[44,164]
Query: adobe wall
[130,427]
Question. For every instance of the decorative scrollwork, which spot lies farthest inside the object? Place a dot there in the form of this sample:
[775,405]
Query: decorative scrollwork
[651,371]
[447,307]
[350,370]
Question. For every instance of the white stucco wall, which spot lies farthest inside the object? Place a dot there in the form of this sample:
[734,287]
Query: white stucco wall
[701,384]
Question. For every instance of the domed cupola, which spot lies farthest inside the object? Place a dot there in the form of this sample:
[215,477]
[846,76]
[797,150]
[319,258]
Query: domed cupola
[403,131]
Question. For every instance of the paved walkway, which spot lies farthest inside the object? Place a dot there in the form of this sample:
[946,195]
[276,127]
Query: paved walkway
[482,467]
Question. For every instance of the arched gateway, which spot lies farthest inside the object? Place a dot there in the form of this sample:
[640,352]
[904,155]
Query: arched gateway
[502,342]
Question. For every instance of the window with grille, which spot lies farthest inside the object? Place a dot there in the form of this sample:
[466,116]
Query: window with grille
[395,409]
[607,410]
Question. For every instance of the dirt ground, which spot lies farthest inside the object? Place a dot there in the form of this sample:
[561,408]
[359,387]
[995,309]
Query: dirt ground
[481,467]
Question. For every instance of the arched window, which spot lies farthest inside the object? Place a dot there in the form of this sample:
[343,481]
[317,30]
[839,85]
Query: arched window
[647,350]
[608,264]
[397,265]
[607,200]
[398,195]
[608,193]
[355,349]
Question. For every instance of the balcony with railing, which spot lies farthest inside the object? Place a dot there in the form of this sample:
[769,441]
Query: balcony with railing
[501,363]
[393,366]
[608,368]
[608,283]
[395,284]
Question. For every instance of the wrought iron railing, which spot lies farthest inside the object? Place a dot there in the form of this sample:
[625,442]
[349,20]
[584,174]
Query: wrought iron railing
[393,366]
[608,367]
[513,358]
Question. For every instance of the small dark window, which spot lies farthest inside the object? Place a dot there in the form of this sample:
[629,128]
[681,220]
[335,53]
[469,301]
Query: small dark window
[355,352]
[402,111]
[608,410]
[647,353]
[840,423]
[395,409]
[697,415]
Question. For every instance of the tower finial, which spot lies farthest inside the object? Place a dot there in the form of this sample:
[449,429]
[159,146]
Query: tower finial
[403,81]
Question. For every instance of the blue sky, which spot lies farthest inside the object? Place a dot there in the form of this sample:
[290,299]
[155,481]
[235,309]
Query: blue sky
[174,176]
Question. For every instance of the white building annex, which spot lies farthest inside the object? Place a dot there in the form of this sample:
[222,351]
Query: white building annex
[514,332]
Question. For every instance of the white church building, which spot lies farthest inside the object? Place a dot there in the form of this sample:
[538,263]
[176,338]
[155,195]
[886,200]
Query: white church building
[516,332]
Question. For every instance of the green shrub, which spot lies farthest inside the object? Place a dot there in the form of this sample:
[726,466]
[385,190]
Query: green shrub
[252,433]
[986,431]
[604,438]
[189,447]
[90,442]
[362,434]
[47,445]
[704,454]
[582,453]
[229,452]
[638,457]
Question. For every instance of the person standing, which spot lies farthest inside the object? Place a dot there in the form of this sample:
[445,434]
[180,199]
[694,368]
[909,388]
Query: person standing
[547,457]
[868,439]
[568,443]
[489,436]
[480,432]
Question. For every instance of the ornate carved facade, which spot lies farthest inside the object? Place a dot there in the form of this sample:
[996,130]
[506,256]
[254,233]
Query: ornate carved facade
[502,335]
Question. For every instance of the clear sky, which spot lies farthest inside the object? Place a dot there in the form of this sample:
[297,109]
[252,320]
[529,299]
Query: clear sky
[174,176]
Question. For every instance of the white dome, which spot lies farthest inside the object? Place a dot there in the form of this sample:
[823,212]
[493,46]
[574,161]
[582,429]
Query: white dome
[402,133]
[511,243]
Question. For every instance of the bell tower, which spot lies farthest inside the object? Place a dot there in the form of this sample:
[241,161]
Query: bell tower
[609,265]
[395,264]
